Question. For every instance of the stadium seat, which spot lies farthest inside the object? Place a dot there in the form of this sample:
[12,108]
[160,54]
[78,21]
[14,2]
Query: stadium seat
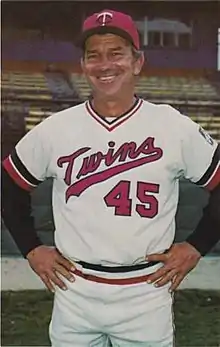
[35,115]
[206,118]
[80,84]
[60,87]
[30,85]
[183,88]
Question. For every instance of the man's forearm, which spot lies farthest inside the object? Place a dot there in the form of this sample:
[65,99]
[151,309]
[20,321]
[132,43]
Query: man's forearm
[207,233]
[16,213]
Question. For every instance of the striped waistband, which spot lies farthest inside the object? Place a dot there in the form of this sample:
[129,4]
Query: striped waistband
[116,269]
[115,275]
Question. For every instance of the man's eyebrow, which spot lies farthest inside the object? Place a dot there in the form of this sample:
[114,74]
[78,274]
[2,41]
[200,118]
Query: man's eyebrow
[91,51]
[119,48]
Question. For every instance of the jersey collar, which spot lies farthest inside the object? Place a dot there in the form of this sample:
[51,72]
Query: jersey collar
[118,120]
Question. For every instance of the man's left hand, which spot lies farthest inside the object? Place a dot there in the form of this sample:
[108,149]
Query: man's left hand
[180,259]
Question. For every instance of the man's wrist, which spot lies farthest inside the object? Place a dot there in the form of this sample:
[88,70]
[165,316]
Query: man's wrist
[31,244]
[193,248]
[33,250]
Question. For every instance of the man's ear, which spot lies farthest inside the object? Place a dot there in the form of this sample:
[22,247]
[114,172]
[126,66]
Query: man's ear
[82,63]
[139,64]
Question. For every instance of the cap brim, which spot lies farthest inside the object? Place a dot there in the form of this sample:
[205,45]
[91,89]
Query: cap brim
[101,30]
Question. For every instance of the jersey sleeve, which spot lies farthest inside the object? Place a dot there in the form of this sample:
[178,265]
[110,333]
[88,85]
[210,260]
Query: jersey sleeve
[28,164]
[200,155]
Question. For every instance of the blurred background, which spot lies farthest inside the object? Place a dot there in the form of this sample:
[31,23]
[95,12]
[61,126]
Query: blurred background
[41,75]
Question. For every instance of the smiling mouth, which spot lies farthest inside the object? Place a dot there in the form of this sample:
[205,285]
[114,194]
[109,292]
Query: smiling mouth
[107,79]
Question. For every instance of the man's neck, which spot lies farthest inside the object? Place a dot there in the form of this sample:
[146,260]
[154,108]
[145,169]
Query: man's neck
[113,108]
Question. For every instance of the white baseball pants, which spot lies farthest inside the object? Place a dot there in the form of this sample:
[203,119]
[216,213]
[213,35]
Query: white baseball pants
[91,314]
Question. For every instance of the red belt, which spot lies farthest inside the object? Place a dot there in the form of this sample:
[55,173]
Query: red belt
[114,281]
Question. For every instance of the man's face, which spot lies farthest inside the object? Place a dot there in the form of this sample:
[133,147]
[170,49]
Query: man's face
[109,65]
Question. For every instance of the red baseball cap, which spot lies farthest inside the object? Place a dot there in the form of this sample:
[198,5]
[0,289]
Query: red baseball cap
[108,21]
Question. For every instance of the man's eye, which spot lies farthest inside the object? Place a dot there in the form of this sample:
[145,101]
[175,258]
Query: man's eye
[116,54]
[91,56]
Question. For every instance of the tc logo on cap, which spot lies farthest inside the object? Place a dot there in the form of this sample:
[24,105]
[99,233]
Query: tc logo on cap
[104,18]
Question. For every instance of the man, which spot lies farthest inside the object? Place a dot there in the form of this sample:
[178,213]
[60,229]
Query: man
[116,161]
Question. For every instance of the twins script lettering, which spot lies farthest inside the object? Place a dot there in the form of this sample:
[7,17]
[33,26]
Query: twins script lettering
[116,161]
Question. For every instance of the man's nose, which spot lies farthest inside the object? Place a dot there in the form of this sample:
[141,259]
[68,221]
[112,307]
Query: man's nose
[105,63]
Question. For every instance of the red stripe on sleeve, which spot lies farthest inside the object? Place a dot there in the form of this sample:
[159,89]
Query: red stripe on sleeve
[15,176]
[214,181]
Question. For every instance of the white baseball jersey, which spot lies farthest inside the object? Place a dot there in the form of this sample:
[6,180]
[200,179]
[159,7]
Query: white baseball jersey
[115,184]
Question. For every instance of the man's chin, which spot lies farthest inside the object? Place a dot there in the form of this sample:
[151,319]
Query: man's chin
[107,93]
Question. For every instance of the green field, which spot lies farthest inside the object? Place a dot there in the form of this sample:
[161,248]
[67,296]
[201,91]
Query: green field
[25,318]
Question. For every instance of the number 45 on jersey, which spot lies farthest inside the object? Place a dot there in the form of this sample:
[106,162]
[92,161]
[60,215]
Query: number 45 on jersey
[146,204]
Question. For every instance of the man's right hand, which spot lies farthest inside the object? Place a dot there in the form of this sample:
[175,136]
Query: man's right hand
[48,263]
